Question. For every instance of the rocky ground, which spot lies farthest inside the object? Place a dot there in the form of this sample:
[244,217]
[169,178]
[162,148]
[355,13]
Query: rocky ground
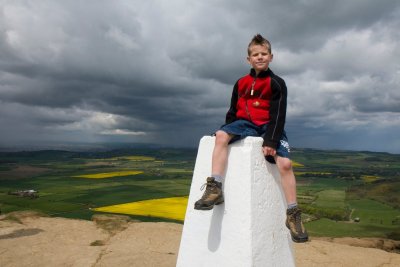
[29,239]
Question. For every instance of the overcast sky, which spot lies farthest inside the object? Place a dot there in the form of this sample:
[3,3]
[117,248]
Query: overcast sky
[163,71]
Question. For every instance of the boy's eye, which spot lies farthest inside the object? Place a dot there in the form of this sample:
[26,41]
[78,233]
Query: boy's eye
[258,54]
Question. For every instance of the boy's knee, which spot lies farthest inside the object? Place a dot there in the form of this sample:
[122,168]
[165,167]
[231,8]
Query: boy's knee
[222,137]
[284,164]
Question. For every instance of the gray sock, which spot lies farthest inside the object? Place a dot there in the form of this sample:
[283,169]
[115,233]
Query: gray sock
[292,205]
[217,177]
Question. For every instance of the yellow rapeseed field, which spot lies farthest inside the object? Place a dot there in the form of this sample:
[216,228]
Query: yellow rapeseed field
[134,158]
[369,178]
[296,164]
[316,173]
[170,208]
[108,174]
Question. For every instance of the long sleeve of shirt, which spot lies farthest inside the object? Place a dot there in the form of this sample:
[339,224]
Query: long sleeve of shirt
[277,113]
[231,114]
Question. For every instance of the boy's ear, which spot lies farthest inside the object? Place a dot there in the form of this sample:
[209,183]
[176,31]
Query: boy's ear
[272,57]
[248,60]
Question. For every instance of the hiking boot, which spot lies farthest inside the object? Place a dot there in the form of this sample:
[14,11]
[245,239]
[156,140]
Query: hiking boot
[212,196]
[295,225]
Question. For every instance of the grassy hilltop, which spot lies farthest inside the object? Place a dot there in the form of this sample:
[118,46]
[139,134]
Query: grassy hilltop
[343,193]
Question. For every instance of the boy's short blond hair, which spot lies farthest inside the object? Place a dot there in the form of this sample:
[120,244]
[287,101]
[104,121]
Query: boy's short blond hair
[259,40]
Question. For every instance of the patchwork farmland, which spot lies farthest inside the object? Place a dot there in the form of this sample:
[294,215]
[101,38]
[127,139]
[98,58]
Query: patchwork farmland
[342,193]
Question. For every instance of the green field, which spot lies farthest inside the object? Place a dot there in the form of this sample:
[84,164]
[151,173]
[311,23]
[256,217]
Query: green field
[333,191]
[334,187]
[162,174]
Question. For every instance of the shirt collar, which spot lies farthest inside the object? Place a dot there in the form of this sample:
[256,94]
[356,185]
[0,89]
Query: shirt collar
[262,74]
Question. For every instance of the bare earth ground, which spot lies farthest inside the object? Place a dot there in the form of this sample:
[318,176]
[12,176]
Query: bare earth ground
[27,239]
[22,171]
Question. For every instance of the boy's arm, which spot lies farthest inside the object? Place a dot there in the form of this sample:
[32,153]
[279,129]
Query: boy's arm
[231,114]
[277,113]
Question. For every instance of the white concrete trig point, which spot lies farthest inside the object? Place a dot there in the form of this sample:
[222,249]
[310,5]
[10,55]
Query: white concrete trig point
[248,230]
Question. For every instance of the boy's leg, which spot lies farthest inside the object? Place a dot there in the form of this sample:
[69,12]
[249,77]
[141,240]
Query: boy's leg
[288,179]
[293,220]
[220,154]
[213,194]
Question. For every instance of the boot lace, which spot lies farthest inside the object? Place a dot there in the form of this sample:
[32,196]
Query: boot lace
[209,188]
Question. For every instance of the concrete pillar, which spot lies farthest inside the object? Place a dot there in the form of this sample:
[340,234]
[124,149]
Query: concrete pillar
[249,228]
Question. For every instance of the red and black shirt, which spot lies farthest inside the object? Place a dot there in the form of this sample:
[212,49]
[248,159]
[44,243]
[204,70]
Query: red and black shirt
[260,99]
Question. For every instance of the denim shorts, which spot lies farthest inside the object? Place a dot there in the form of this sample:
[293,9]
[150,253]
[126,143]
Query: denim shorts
[243,128]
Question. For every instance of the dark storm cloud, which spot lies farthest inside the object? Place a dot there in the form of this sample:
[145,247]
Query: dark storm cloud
[156,71]
[307,25]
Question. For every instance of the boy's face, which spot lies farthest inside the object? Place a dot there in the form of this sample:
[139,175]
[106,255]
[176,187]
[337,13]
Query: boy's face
[259,57]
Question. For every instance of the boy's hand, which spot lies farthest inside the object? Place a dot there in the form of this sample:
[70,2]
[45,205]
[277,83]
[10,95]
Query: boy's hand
[269,151]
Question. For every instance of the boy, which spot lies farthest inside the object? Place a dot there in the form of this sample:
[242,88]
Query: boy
[258,108]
